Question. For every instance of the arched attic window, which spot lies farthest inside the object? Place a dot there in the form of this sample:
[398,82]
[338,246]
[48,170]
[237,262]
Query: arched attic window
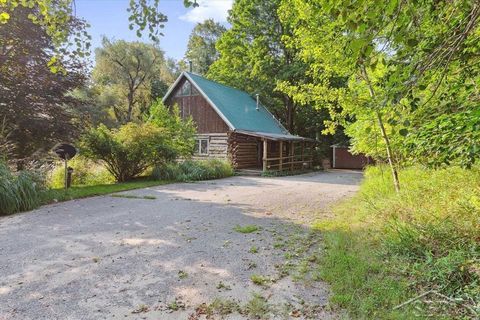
[186,90]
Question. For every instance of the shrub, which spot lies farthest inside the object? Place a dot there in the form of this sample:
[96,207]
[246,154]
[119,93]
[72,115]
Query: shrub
[128,151]
[191,170]
[181,132]
[85,172]
[18,192]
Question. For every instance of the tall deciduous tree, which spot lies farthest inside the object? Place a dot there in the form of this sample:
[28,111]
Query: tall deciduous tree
[255,58]
[396,56]
[34,102]
[129,73]
[201,49]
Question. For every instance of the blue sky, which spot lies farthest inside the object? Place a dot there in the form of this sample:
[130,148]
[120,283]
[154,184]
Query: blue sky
[110,18]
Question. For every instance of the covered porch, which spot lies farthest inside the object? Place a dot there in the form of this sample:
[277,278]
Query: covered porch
[270,152]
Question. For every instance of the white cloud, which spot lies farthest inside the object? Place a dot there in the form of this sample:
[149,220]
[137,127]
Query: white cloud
[209,9]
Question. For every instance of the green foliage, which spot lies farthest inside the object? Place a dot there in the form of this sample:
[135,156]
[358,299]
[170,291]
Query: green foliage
[18,192]
[36,107]
[55,18]
[397,246]
[448,139]
[5,144]
[144,15]
[180,131]
[387,70]
[85,172]
[128,151]
[168,172]
[193,170]
[201,45]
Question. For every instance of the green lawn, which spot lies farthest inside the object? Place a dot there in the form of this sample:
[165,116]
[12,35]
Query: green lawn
[54,195]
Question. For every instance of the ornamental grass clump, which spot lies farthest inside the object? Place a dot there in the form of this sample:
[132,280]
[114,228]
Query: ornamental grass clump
[18,192]
[193,170]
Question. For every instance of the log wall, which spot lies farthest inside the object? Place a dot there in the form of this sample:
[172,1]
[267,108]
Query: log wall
[217,146]
[244,151]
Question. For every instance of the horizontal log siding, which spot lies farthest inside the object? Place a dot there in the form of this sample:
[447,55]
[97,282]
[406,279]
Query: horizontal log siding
[217,146]
[244,151]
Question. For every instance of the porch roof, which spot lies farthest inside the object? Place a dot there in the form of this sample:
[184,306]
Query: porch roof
[274,136]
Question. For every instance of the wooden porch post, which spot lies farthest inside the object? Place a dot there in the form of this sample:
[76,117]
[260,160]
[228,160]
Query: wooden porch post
[265,154]
[281,156]
[292,154]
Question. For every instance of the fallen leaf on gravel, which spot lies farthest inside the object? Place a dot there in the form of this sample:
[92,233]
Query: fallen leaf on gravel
[295,313]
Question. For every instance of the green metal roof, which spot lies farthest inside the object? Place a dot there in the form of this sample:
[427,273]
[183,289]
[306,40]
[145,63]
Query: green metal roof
[237,107]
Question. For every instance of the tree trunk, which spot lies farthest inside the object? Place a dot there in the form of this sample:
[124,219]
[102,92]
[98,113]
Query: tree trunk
[130,106]
[290,114]
[396,182]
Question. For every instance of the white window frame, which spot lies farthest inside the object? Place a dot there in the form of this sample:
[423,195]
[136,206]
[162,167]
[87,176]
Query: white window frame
[198,150]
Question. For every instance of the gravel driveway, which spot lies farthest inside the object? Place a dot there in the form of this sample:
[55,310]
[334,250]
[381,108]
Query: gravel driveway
[169,252]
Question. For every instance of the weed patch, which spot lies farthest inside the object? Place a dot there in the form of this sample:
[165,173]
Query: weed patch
[247,228]
[182,274]
[176,305]
[223,286]
[260,280]
[257,307]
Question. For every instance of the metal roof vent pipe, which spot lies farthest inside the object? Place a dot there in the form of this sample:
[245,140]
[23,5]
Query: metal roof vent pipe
[190,66]
[258,101]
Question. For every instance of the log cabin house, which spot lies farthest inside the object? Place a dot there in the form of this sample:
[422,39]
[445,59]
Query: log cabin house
[233,125]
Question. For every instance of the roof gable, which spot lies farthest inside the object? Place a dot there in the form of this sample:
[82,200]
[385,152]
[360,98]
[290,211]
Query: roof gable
[237,108]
